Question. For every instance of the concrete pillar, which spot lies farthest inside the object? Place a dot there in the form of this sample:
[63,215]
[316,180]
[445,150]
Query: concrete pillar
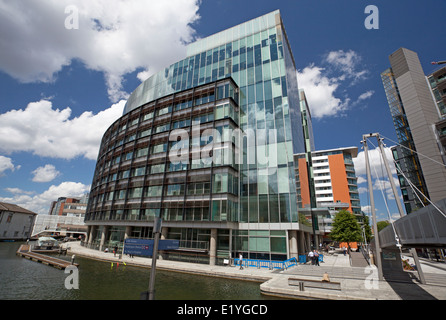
[103,237]
[164,233]
[213,247]
[90,234]
[293,244]
[308,241]
[163,236]
[301,242]
[128,232]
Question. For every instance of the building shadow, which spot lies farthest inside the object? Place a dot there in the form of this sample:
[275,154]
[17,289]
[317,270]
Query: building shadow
[405,285]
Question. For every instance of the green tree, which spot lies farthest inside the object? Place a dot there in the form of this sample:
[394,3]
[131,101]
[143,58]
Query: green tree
[382,224]
[367,229]
[345,228]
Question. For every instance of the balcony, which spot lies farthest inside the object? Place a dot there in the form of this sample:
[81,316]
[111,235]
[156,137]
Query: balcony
[441,130]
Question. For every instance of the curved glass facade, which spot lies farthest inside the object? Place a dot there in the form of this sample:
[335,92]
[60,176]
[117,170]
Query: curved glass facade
[240,80]
[166,159]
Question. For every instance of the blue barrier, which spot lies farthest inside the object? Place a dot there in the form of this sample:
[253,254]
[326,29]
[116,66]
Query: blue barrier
[264,264]
[289,263]
[276,264]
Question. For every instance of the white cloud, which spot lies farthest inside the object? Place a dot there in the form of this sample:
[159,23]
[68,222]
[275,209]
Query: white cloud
[366,95]
[320,92]
[380,179]
[377,169]
[322,84]
[368,209]
[50,132]
[363,190]
[6,164]
[40,203]
[143,75]
[115,37]
[18,191]
[45,174]
[384,186]
[347,63]
[361,180]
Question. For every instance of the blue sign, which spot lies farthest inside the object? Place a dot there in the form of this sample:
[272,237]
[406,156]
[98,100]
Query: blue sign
[144,247]
[168,244]
[139,247]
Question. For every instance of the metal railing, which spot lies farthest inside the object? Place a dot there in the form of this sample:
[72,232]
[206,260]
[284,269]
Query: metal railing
[194,244]
[269,264]
[365,253]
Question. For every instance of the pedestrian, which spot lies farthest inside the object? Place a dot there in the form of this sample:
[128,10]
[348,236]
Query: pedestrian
[311,256]
[345,250]
[316,258]
[115,250]
[241,260]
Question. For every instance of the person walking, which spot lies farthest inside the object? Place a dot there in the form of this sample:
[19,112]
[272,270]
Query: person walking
[241,261]
[311,256]
[345,250]
[316,258]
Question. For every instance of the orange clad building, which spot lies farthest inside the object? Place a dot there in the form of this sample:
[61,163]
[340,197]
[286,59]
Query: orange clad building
[335,182]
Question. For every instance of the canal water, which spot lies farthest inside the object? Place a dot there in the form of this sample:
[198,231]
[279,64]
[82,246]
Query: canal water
[23,279]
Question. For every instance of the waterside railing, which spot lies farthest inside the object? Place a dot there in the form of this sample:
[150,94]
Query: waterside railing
[269,264]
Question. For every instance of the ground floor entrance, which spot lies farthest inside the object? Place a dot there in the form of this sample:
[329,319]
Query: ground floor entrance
[215,246]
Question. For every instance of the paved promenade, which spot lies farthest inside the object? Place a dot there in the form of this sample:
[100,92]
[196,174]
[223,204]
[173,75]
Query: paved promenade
[355,283]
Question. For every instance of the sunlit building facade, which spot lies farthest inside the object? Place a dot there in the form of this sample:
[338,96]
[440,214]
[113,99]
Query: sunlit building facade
[416,106]
[207,144]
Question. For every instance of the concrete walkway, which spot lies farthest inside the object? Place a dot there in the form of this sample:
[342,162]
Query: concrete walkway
[356,283]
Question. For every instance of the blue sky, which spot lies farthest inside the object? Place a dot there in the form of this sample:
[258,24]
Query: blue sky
[60,88]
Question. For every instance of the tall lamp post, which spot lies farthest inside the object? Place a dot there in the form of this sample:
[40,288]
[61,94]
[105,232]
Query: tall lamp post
[157,232]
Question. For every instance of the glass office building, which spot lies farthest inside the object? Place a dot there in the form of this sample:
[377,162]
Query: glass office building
[207,144]
[406,159]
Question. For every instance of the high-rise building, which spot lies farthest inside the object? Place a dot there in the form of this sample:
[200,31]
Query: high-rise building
[334,184]
[207,144]
[415,113]
[69,206]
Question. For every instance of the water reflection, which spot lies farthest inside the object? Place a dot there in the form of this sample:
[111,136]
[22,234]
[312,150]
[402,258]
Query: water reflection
[23,279]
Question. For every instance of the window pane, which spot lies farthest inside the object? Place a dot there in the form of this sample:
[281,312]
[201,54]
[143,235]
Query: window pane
[278,245]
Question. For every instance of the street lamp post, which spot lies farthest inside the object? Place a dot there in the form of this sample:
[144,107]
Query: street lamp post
[156,231]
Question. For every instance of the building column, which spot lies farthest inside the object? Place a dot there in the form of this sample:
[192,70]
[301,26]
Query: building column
[128,232]
[90,233]
[293,244]
[164,233]
[163,236]
[103,237]
[301,242]
[213,247]
[308,240]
